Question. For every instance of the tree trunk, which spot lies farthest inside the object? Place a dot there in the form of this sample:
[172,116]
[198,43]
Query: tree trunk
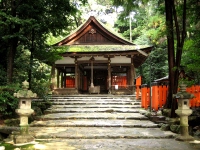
[30,68]
[10,62]
[170,44]
[14,28]
[174,61]
[10,58]
[31,58]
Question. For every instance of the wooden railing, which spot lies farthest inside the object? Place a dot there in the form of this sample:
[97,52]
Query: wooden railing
[138,82]
[158,96]
[195,90]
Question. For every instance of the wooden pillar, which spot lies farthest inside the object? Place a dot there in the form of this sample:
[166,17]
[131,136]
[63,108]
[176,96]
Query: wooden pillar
[132,75]
[109,76]
[79,76]
[76,73]
[128,76]
[53,79]
[61,82]
[92,69]
[58,78]
[64,80]
[80,79]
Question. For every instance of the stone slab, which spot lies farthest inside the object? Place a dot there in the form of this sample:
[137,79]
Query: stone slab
[94,106]
[99,133]
[86,110]
[95,123]
[91,103]
[114,144]
[57,116]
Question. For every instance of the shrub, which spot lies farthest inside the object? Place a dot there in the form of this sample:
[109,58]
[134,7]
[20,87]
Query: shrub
[42,88]
[8,103]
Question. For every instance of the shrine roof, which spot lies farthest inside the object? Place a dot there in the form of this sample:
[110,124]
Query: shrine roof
[104,48]
[93,32]
[94,38]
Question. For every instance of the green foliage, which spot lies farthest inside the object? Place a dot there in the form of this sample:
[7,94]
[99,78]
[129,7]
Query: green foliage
[2,75]
[41,87]
[148,28]
[27,24]
[191,59]
[43,105]
[155,66]
[191,51]
[8,103]
[39,107]
[12,122]
[187,81]
[9,146]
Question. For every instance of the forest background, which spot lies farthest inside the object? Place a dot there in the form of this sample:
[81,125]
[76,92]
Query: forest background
[28,29]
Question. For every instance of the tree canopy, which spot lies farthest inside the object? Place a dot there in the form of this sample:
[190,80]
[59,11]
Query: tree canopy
[180,30]
[25,25]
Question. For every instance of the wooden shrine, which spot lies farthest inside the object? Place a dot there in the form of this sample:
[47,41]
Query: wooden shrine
[97,61]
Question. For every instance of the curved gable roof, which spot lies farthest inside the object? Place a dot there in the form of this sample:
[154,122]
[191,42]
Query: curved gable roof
[93,32]
[93,38]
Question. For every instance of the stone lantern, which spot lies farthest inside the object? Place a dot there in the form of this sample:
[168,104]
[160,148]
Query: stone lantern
[183,111]
[24,111]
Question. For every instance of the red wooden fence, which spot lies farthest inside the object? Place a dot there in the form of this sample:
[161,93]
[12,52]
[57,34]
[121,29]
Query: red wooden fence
[138,84]
[159,96]
[195,90]
[145,96]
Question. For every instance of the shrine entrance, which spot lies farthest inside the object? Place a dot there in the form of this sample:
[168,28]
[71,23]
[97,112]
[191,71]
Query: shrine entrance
[97,60]
[120,77]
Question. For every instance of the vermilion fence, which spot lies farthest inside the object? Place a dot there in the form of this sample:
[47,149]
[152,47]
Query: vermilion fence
[195,90]
[137,85]
[159,96]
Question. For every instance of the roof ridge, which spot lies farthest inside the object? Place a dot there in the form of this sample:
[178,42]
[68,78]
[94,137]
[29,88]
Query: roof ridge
[94,19]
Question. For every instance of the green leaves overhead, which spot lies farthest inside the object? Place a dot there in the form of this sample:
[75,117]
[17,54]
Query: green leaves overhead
[27,24]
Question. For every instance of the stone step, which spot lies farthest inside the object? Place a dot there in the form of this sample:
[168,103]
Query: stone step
[88,99]
[95,123]
[113,144]
[91,103]
[94,106]
[99,133]
[65,116]
[92,110]
[103,96]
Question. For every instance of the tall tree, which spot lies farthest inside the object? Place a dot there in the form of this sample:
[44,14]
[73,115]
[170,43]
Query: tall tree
[29,22]
[148,28]
[176,31]
[191,54]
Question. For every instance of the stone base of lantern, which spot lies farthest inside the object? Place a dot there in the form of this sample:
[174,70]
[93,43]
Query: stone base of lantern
[23,139]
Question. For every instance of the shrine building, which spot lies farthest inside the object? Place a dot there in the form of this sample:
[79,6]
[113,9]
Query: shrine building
[97,60]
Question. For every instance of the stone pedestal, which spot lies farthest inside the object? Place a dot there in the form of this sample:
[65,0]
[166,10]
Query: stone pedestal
[184,111]
[24,111]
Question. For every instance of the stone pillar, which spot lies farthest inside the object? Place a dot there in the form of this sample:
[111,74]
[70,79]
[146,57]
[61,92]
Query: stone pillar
[24,111]
[58,78]
[109,76]
[184,111]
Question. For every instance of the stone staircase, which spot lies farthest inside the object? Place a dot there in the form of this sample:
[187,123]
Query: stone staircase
[87,122]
